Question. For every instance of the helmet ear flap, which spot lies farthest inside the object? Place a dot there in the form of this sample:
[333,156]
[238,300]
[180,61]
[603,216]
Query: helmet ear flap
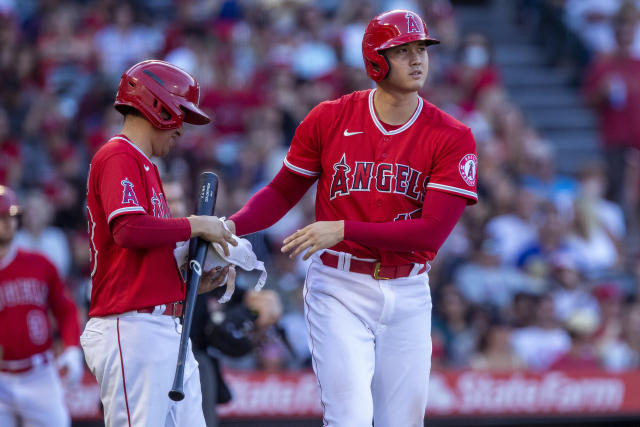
[386,60]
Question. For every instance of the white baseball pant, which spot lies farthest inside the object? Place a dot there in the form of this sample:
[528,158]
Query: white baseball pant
[370,344]
[133,356]
[36,396]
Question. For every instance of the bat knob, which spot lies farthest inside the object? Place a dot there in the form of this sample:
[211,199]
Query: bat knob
[176,395]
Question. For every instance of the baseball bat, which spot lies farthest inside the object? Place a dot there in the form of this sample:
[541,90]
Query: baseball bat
[197,254]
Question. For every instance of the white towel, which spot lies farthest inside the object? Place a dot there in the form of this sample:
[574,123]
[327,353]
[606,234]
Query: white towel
[241,256]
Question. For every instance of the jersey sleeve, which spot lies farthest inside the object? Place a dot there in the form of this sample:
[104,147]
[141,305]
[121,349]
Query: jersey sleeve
[303,157]
[63,308]
[455,168]
[120,187]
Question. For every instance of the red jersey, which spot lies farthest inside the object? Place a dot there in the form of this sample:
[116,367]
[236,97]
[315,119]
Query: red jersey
[619,124]
[371,174]
[29,287]
[124,181]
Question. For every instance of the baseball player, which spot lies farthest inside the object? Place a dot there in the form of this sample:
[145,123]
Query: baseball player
[132,338]
[30,289]
[394,175]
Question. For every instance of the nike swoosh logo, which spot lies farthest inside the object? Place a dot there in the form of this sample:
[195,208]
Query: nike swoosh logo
[347,133]
[146,168]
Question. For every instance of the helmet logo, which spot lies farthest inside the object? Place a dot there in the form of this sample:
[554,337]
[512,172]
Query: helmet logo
[412,25]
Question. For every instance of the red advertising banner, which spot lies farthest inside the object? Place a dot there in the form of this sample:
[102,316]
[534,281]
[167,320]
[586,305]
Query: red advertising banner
[549,393]
[451,394]
[466,393]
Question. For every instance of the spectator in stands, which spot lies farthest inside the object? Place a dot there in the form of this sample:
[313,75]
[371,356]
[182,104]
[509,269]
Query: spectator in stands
[39,235]
[514,230]
[582,354]
[66,55]
[141,42]
[593,182]
[571,294]
[451,321]
[611,86]
[623,352]
[536,258]
[522,312]
[495,351]
[610,298]
[542,343]
[474,70]
[590,243]
[484,280]
[591,20]
[542,178]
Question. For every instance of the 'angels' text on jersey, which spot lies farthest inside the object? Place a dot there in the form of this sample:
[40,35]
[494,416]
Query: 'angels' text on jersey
[382,177]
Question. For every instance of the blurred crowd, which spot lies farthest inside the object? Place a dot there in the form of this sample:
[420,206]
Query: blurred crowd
[541,274]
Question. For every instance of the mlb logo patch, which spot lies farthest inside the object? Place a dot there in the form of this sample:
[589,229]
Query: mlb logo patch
[468,168]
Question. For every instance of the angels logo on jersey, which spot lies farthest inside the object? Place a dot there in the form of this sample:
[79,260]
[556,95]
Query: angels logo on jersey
[412,24]
[128,195]
[468,168]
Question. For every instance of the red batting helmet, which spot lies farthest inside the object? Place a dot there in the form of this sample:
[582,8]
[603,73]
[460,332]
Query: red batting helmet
[153,86]
[8,202]
[387,30]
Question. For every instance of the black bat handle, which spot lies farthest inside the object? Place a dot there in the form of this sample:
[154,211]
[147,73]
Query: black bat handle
[197,254]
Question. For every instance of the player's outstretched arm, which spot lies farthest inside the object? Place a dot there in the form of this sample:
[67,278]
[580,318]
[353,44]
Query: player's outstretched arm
[316,236]
[271,203]
[211,229]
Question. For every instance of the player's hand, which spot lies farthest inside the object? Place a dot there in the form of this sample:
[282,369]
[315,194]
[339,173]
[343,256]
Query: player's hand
[211,229]
[266,304]
[215,278]
[231,225]
[316,236]
[71,365]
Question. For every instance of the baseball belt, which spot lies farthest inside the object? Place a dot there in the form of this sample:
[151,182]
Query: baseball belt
[372,268]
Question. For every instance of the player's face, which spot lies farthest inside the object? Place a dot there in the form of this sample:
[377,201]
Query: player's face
[8,226]
[409,65]
[165,140]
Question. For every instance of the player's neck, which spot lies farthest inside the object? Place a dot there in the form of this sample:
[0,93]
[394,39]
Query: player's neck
[136,130]
[394,108]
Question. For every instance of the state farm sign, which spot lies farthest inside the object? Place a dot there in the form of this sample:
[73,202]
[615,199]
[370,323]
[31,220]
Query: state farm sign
[451,394]
[465,393]
[518,393]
